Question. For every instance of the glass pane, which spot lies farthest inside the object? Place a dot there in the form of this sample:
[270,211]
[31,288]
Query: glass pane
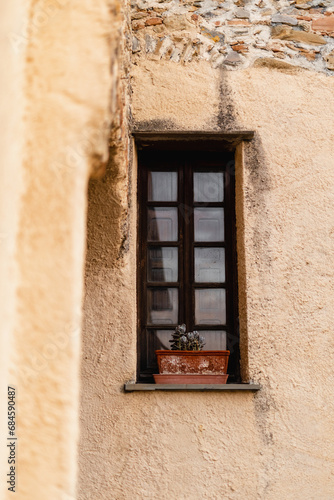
[210,306]
[209,186]
[214,339]
[162,306]
[209,224]
[162,224]
[209,265]
[157,339]
[162,186]
[162,264]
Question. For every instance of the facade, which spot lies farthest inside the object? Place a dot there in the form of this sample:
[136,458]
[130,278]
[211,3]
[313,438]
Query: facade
[82,78]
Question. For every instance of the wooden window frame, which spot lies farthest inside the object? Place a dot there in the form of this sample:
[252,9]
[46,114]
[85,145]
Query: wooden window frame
[186,144]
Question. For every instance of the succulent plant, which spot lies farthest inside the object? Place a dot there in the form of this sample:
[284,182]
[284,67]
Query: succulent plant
[182,341]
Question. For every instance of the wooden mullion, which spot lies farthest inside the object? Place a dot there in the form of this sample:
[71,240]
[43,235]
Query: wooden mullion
[181,237]
[211,327]
[162,244]
[208,244]
[142,270]
[160,327]
[189,238]
[162,204]
[163,284]
[209,285]
[231,277]
[208,204]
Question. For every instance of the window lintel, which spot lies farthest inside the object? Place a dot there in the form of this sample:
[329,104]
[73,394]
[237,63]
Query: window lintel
[192,139]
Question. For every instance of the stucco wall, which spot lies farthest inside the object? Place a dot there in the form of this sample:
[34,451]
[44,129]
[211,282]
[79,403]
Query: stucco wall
[56,113]
[273,445]
[12,80]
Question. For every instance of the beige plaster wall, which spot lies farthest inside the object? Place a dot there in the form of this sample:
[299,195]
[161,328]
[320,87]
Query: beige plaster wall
[278,443]
[11,70]
[56,110]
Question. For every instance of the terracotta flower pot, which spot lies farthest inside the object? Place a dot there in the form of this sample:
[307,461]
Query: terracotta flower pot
[192,367]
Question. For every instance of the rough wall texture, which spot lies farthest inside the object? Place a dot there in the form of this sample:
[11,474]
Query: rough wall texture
[11,150]
[56,122]
[236,33]
[272,445]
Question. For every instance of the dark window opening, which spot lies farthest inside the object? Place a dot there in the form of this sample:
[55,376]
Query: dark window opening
[187,265]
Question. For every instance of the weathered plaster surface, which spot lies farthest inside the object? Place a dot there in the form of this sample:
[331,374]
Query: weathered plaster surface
[272,445]
[56,119]
[11,146]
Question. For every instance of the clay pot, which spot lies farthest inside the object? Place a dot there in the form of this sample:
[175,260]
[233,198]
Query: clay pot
[192,367]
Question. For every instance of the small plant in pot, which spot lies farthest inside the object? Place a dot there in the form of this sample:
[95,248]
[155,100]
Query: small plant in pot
[187,363]
[183,341]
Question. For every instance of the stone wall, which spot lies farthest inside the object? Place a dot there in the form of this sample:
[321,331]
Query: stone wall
[236,34]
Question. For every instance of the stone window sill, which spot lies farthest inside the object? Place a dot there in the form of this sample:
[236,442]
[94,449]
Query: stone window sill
[132,387]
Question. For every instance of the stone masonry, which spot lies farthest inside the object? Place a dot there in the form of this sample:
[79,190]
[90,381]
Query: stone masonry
[236,33]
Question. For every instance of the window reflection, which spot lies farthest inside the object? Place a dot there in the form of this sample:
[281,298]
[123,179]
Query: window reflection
[208,187]
[214,339]
[210,306]
[157,339]
[162,306]
[162,224]
[209,265]
[162,186]
[162,264]
[209,224]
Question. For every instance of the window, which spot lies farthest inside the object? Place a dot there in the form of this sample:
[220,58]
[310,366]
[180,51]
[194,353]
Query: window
[187,252]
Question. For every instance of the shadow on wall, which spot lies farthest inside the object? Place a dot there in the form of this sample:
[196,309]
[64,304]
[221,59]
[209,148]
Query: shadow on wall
[106,337]
[254,184]
[255,164]
[109,201]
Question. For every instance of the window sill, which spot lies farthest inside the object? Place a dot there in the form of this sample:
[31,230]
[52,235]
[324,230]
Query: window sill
[132,387]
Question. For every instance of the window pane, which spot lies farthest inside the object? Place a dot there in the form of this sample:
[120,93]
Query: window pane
[162,186]
[162,264]
[209,265]
[162,306]
[210,306]
[209,224]
[157,339]
[162,224]
[214,339]
[208,186]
